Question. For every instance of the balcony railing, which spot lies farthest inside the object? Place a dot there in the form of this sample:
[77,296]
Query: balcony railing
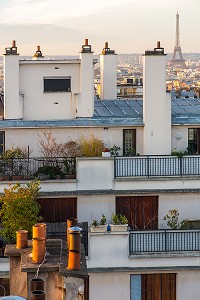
[157,166]
[163,241]
[42,168]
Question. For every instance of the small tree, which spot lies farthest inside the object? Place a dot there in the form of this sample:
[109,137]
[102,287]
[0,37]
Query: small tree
[19,209]
[172,218]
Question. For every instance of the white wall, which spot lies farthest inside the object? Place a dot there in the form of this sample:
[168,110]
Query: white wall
[48,106]
[96,176]
[111,249]
[116,286]
[188,206]
[30,136]
[91,207]
[187,285]
[179,138]
[109,286]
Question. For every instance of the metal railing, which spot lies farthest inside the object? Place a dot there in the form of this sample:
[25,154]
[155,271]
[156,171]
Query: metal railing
[42,168]
[157,166]
[163,241]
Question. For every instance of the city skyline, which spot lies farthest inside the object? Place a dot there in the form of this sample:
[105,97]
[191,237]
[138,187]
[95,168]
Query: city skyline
[130,26]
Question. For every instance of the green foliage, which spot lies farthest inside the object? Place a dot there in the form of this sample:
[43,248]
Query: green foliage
[91,146]
[103,220]
[19,209]
[130,153]
[114,150]
[172,218]
[51,171]
[14,152]
[178,153]
[94,223]
[69,166]
[118,219]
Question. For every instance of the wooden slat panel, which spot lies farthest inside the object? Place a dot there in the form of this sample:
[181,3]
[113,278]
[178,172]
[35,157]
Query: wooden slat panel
[141,211]
[55,210]
[168,286]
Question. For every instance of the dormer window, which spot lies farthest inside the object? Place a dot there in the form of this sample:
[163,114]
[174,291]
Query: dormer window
[57,84]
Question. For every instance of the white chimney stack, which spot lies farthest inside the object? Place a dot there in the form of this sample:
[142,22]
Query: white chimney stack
[156,104]
[12,103]
[85,106]
[108,74]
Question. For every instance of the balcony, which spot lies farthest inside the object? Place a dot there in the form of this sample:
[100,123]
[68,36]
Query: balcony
[42,168]
[157,166]
[164,241]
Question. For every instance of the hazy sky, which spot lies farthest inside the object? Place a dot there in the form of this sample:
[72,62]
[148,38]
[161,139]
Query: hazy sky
[130,26]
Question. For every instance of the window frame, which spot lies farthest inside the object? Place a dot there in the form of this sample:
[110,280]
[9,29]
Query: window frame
[68,90]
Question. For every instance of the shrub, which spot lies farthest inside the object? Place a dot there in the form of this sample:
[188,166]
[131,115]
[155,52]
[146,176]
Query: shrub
[52,171]
[103,220]
[118,219]
[172,218]
[91,147]
[19,209]
[14,152]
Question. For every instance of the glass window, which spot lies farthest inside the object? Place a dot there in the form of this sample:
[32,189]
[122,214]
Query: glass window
[59,84]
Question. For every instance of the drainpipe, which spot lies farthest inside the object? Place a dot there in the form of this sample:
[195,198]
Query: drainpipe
[37,295]
[74,256]
[21,239]
[70,223]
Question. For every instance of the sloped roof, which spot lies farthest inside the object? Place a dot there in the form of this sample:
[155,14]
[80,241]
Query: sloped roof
[184,110]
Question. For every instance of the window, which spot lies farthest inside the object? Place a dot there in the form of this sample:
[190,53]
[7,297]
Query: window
[129,142]
[57,84]
[194,140]
[2,141]
[153,286]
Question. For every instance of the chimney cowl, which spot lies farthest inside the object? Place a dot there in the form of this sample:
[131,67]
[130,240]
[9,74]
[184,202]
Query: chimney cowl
[107,50]
[11,50]
[38,53]
[157,51]
[86,48]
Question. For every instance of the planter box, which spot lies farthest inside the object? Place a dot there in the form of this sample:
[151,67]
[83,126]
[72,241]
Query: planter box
[99,228]
[118,228]
[105,154]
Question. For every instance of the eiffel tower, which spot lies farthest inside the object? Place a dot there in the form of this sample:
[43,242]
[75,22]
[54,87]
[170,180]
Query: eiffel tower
[177,58]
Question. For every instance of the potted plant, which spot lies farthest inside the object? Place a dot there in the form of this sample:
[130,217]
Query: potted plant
[99,227]
[119,223]
[106,152]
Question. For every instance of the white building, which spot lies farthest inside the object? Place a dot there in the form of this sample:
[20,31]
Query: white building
[58,96]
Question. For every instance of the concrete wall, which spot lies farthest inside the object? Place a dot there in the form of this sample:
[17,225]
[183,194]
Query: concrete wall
[111,249]
[117,285]
[156,106]
[109,286]
[108,74]
[24,137]
[40,105]
[96,176]
[12,100]
[111,136]
[91,207]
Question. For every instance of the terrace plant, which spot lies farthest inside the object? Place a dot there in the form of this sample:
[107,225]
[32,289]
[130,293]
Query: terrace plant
[172,218]
[91,146]
[19,209]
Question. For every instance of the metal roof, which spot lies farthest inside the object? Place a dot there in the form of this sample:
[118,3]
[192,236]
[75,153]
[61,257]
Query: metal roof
[185,111]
